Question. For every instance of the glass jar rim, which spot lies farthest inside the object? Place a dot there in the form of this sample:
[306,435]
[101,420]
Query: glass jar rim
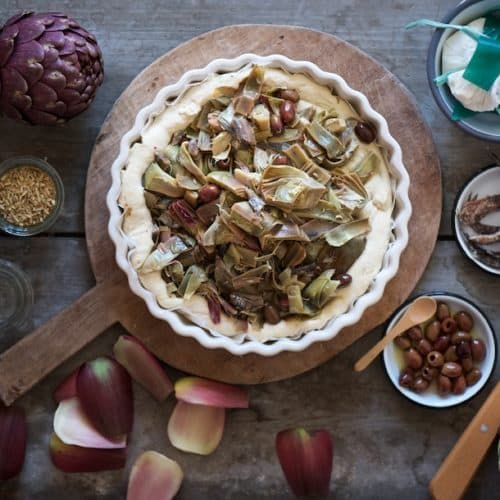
[21,290]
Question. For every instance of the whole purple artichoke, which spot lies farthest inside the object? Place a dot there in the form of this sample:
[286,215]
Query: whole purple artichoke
[50,68]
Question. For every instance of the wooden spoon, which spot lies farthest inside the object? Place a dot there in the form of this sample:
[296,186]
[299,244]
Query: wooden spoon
[420,310]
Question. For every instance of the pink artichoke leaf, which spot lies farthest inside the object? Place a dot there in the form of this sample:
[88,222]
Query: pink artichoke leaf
[69,458]
[154,476]
[104,389]
[306,460]
[196,390]
[143,366]
[67,388]
[73,427]
[196,428]
[12,441]
[30,28]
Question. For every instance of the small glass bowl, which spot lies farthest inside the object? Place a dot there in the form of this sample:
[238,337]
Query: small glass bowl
[16,296]
[20,161]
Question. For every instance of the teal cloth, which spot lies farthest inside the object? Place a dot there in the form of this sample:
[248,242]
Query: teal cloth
[492,25]
[480,69]
[484,67]
[460,112]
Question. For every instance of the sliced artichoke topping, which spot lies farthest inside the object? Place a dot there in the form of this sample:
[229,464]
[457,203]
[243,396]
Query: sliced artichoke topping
[344,233]
[258,203]
[191,281]
[321,289]
[157,180]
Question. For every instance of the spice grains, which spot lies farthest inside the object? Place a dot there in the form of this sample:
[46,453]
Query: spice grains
[27,196]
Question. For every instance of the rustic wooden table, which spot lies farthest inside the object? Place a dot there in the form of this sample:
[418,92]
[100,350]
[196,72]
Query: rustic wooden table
[385,446]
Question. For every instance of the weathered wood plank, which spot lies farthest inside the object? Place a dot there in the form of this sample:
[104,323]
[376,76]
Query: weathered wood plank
[385,446]
[133,37]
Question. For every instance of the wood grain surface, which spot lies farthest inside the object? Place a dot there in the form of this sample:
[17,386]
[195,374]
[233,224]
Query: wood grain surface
[385,446]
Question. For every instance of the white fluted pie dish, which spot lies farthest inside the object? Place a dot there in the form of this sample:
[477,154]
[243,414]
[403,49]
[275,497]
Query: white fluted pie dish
[246,342]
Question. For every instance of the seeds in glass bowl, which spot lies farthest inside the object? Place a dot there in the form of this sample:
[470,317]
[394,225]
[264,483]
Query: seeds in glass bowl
[27,196]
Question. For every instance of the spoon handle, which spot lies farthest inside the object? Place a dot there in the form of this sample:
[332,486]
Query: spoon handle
[457,470]
[367,358]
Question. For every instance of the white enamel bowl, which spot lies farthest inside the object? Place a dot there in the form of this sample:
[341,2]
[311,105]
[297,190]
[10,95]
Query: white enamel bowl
[484,183]
[482,329]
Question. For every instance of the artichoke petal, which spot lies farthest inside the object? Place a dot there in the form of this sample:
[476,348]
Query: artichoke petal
[188,163]
[253,84]
[315,228]
[220,144]
[295,255]
[185,180]
[157,180]
[204,141]
[288,135]
[321,289]
[192,280]
[251,277]
[290,188]
[164,254]
[282,232]
[244,217]
[332,145]
[343,233]
[242,256]
[228,182]
[243,130]
[295,303]
[262,119]
[260,159]
[249,179]
[366,165]
[243,104]
[226,118]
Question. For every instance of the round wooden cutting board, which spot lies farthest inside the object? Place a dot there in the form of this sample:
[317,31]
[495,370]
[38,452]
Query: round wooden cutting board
[111,301]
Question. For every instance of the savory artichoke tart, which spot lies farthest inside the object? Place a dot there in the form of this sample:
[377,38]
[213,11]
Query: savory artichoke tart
[258,203]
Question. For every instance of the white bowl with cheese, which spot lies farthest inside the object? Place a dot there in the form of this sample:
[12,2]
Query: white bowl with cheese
[483,125]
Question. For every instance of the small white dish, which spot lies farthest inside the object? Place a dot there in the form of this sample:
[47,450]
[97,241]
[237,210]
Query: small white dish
[485,183]
[482,329]
[401,211]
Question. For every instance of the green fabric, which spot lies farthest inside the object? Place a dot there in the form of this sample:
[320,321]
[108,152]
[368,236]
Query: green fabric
[443,78]
[460,112]
[473,33]
[492,25]
[484,67]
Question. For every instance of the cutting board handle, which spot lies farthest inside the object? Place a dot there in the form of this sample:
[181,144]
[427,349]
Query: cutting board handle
[37,354]
[456,472]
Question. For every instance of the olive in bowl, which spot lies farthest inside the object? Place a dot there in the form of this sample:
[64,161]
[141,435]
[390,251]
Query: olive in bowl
[446,360]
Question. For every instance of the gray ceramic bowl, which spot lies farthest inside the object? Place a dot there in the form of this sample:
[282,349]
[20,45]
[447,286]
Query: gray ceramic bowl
[481,125]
